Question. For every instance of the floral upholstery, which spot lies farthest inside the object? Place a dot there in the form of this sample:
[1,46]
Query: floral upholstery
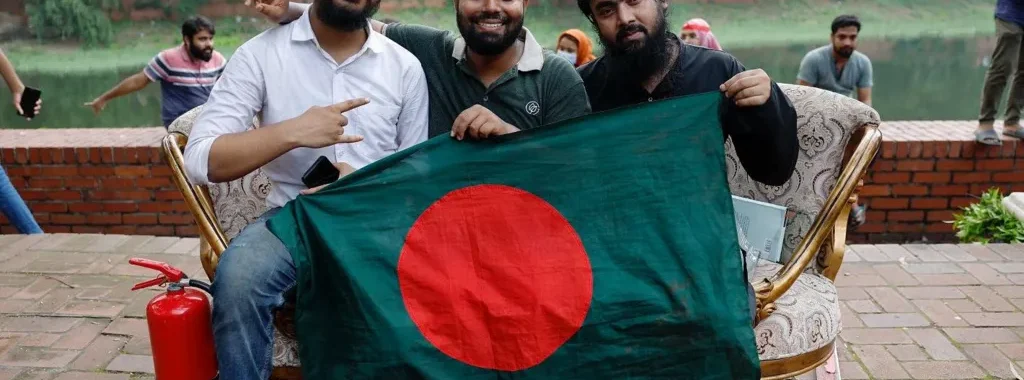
[807,315]
[825,122]
[238,203]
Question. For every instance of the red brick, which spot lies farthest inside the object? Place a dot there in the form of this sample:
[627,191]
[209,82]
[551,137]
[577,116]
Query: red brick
[874,190]
[875,216]
[49,207]
[41,217]
[140,219]
[33,195]
[67,156]
[955,165]
[928,203]
[955,149]
[120,207]
[85,207]
[888,149]
[94,156]
[58,171]
[979,188]
[155,207]
[33,155]
[1008,177]
[973,177]
[103,219]
[949,190]
[940,216]
[889,203]
[156,230]
[121,230]
[180,206]
[996,164]
[906,227]
[21,155]
[18,182]
[915,165]
[46,156]
[175,219]
[131,171]
[969,150]
[928,150]
[117,183]
[87,229]
[168,195]
[67,219]
[909,190]
[97,171]
[883,166]
[82,155]
[902,149]
[125,156]
[939,227]
[106,155]
[957,203]
[7,154]
[64,195]
[153,183]
[162,171]
[905,216]
[80,183]
[892,177]
[186,231]
[933,177]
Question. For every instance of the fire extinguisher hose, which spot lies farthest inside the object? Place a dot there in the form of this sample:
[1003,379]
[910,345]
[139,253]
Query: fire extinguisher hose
[199,284]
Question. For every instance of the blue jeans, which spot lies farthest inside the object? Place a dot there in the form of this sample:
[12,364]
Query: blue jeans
[253,274]
[14,208]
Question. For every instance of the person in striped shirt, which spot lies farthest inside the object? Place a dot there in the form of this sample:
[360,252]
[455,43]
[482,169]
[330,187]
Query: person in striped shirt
[186,72]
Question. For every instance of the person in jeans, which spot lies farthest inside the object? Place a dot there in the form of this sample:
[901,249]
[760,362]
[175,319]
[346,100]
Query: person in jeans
[324,85]
[1010,31]
[11,204]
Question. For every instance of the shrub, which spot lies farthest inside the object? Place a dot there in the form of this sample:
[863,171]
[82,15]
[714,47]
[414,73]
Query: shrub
[988,221]
[69,19]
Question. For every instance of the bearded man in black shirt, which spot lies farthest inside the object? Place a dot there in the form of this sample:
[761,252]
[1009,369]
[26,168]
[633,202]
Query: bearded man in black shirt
[643,62]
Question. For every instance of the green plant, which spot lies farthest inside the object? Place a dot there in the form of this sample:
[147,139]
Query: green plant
[988,221]
[69,19]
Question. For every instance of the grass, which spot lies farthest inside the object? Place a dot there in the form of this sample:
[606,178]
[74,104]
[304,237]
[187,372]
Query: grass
[771,22]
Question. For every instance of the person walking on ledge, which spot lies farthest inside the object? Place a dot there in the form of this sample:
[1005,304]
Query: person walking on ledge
[1009,19]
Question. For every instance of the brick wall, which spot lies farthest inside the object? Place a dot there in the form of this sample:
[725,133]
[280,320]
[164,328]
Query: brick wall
[925,172]
[95,181]
[115,181]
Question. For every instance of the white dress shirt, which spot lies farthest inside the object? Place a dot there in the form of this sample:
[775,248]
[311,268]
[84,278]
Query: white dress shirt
[283,72]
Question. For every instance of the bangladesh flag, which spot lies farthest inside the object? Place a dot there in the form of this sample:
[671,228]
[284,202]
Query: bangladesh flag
[603,247]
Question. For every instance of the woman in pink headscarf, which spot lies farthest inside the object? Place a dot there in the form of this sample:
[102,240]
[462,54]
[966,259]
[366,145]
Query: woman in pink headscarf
[698,32]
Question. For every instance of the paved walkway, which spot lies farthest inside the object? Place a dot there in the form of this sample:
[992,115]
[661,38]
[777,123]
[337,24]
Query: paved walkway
[909,312]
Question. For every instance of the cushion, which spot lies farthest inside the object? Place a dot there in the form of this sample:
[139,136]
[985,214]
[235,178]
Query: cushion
[807,316]
[825,122]
[236,203]
[286,350]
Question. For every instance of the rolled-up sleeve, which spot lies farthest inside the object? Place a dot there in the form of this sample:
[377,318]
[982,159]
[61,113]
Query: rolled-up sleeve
[234,101]
[412,121]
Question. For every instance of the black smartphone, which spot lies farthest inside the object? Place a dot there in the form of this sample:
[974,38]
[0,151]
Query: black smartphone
[28,101]
[321,173]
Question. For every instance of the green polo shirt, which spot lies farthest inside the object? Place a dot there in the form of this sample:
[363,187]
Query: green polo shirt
[541,89]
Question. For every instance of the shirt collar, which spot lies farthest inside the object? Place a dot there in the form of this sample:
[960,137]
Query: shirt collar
[302,30]
[533,53]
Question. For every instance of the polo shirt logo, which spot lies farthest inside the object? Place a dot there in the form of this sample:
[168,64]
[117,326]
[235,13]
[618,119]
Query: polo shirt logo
[532,107]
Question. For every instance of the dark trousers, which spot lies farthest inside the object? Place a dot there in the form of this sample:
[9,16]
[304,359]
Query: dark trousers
[1005,60]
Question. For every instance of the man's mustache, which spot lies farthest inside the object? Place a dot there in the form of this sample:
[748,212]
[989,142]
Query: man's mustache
[628,29]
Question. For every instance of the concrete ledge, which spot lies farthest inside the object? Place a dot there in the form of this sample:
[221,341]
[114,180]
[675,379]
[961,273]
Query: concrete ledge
[1015,203]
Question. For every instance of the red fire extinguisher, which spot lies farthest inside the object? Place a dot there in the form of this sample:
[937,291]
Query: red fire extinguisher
[180,331]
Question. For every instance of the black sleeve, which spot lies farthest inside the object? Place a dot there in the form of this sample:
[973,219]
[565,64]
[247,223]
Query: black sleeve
[764,136]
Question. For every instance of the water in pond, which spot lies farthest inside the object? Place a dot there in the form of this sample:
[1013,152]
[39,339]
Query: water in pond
[919,79]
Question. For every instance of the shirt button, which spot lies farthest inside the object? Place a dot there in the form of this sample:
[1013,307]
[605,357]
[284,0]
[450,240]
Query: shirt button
[650,99]
[485,98]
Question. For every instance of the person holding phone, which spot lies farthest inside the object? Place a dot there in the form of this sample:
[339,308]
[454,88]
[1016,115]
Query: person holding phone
[11,204]
[326,85]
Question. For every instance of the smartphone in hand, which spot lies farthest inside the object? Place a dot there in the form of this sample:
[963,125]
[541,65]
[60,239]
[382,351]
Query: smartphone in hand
[322,172]
[28,101]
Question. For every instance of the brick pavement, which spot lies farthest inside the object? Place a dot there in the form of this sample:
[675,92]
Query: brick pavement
[909,311]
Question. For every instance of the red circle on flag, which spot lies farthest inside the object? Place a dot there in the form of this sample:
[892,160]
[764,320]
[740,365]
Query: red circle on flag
[495,277]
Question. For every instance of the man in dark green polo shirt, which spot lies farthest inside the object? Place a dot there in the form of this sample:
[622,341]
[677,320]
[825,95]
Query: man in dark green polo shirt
[491,79]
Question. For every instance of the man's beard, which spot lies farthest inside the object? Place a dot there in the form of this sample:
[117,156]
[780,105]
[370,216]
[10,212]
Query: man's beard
[342,18]
[486,43]
[844,52]
[204,54]
[637,61]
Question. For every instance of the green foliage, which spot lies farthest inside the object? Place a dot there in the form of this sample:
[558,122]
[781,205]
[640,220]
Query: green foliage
[988,221]
[186,8]
[70,19]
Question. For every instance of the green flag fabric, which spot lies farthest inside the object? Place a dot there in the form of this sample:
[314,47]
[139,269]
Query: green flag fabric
[603,247]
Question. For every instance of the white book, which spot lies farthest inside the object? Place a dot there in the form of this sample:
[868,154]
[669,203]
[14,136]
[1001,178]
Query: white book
[761,228]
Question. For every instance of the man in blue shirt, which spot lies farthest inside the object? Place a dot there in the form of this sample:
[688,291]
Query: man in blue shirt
[1010,30]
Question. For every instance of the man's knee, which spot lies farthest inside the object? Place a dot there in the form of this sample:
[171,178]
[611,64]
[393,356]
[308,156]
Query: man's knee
[252,267]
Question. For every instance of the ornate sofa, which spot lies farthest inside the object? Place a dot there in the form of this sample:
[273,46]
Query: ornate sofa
[798,312]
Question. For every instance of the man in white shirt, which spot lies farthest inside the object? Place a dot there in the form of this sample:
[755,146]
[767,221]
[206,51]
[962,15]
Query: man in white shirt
[326,85]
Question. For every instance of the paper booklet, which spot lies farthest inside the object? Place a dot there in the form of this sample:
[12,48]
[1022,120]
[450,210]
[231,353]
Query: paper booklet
[761,228]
